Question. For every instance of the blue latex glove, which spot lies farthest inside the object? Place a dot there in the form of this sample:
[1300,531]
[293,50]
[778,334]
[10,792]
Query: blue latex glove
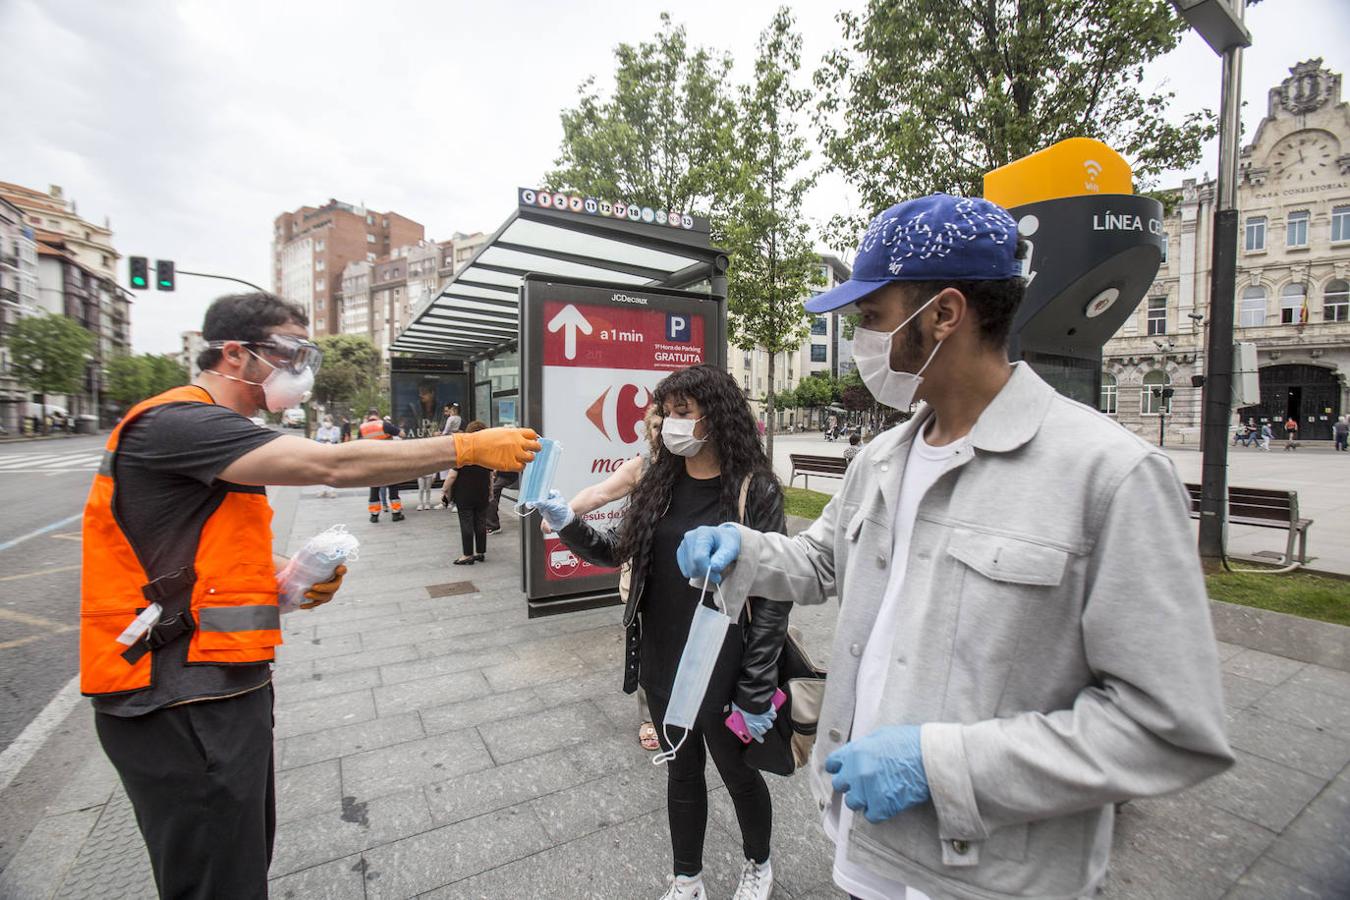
[881,775]
[758,724]
[555,511]
[708,550]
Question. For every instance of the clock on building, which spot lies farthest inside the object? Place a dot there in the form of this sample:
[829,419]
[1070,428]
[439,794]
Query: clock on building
[1304,155]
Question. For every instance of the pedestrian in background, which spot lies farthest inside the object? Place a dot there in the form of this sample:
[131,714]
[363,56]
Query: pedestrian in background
[470,487]
[452,419]
[376,429]
[1267,433]
[328,433]
[1290,434]
[1341,431]
[854,447]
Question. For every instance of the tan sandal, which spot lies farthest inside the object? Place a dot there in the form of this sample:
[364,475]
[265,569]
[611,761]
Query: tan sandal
[647,737]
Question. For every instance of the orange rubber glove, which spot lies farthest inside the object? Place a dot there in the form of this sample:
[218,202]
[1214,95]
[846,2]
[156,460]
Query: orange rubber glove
[319,594]
[500,449]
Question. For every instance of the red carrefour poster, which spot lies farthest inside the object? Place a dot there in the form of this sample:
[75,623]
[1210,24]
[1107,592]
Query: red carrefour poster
[600,364]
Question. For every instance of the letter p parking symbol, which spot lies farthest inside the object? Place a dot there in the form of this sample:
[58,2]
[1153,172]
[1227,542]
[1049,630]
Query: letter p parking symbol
[677,327]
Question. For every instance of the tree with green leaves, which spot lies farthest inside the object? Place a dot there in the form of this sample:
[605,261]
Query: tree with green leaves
[48,354]
[131,379]
[772,261]
[662,135]
[928,95]
[350,370]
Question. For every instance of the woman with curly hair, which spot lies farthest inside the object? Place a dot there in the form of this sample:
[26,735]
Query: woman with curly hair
[709,468]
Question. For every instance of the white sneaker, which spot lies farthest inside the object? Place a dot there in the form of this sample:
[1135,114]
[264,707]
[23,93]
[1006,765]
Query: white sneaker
[685,887]
[756,881]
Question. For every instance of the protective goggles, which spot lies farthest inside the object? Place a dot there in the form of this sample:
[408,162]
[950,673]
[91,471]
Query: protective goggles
[285,351]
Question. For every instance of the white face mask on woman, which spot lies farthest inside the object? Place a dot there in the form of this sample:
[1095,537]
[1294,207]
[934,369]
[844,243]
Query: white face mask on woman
[872,356]
[678,436]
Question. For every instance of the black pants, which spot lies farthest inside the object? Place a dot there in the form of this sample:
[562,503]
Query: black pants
[687,789]
[500,482]
[201,781]
[473,527]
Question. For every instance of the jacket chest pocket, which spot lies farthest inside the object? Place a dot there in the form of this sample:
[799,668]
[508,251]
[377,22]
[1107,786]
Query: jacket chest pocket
[1006,586]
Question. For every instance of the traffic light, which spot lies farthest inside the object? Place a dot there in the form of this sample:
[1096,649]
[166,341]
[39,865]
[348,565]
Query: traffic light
[164,274]
[140,273]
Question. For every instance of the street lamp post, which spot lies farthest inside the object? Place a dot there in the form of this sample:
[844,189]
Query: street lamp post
[1219,23]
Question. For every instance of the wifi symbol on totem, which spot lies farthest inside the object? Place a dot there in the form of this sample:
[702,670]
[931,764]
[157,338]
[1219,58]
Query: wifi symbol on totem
[1093,169]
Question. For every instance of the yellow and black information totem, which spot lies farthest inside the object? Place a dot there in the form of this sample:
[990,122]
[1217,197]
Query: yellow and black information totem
[1095,247]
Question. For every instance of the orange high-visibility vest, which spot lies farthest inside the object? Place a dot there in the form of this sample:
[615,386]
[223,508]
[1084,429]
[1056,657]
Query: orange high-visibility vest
[232,580]
[373,430]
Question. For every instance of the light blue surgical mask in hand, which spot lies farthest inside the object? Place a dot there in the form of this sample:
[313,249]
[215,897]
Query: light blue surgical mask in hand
[537,479]
[706,636]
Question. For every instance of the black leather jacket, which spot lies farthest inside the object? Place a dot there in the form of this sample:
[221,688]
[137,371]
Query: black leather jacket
[767,629]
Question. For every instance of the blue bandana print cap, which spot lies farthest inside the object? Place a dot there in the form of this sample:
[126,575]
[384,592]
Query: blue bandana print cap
[934,238]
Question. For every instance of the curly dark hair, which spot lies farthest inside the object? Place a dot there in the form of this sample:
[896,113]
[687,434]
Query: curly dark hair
[730,426]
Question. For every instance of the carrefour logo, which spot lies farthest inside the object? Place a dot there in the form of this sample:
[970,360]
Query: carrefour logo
[617,414]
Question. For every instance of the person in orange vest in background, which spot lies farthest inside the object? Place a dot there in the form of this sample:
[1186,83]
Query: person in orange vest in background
[376,429]
[178,611]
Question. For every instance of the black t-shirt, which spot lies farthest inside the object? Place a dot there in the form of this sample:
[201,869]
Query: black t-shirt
[165,488]
[472,487]
[669,601]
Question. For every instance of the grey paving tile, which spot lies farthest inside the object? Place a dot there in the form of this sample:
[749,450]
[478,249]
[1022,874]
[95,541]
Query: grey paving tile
[48,851]
[1312,752]
[467,796]
[458,606]
[527,671]
[538,733]
[1303,706]
[595,805]
[1269,879]
[292,672]
[413,764]
[593,684]
[366,659]
[492,708]
[1176,847]
[321,685]
[372,624]
[354,609]
[610,753]
[430,692]
[1260,791]
[1227,650]
[1316,842]
[1240,693]
[308,790]
[1263,667]
[332,743]
[324,713]
[318,648]
[341,879]
[349,828]
[444,665]
[445,855]
[1328,681]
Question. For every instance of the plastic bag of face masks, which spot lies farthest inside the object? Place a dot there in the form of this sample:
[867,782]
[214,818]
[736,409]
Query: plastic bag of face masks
[314,564]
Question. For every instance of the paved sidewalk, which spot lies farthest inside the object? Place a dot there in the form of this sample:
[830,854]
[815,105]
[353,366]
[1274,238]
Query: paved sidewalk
[449,747]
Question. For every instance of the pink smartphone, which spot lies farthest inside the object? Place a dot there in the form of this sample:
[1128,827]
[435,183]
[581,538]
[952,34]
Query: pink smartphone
[736,722]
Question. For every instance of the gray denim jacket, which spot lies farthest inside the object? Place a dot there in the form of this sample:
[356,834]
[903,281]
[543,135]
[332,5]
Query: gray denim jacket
[1055,642]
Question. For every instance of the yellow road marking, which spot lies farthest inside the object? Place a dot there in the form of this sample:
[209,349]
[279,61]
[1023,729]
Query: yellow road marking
[69,536]
[51,571]
[10,645]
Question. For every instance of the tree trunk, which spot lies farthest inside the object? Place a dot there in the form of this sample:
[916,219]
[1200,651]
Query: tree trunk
[768,414]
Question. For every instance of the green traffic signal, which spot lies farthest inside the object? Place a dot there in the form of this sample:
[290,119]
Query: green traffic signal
[140,272]
[164,274]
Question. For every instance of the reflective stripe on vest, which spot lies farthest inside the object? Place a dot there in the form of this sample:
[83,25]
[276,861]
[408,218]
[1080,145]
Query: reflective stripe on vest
[233,600]
[373,430]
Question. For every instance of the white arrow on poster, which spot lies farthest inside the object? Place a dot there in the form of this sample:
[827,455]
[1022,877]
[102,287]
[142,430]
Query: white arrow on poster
[572,320]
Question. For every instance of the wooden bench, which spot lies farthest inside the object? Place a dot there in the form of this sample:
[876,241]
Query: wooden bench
[1264,508]
[808,465]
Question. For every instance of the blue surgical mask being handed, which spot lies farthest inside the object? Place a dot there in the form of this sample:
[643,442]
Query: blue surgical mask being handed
[872,355]
[678,436]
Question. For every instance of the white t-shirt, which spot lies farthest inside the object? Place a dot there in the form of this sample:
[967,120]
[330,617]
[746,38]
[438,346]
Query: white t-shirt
[924,466]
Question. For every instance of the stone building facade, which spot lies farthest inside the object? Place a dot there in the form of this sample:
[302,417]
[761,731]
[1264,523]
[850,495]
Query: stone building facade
[1293,280]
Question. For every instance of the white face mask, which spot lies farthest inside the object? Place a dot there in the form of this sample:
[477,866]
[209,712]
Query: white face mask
[872,355]
[678,436]
[282,388]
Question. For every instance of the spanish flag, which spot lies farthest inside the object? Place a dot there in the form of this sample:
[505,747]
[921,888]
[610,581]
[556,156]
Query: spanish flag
[1303,312]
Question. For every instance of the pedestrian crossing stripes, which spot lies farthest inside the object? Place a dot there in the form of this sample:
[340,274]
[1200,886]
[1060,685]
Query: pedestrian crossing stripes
[50,463]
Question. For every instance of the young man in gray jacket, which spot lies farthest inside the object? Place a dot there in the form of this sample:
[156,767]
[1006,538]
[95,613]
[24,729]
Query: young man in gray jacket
[1023,636]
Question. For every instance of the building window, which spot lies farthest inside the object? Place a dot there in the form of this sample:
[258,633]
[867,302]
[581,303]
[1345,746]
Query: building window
[819,353]
[1340,223]
[370,220]
[1157,315]
[318,265]
[370,257]
[1109,393]
[1256,234]
[1165,243]
[370,238]
[320,285]
[318,247]
[1297,230]
[1336,301]
[1253,312]
[820,325]
[1291,304]
[1150,395]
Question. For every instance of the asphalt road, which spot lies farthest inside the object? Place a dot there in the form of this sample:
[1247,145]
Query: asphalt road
[42,483]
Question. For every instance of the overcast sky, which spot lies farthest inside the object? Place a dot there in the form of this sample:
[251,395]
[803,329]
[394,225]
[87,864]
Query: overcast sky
[192,123]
